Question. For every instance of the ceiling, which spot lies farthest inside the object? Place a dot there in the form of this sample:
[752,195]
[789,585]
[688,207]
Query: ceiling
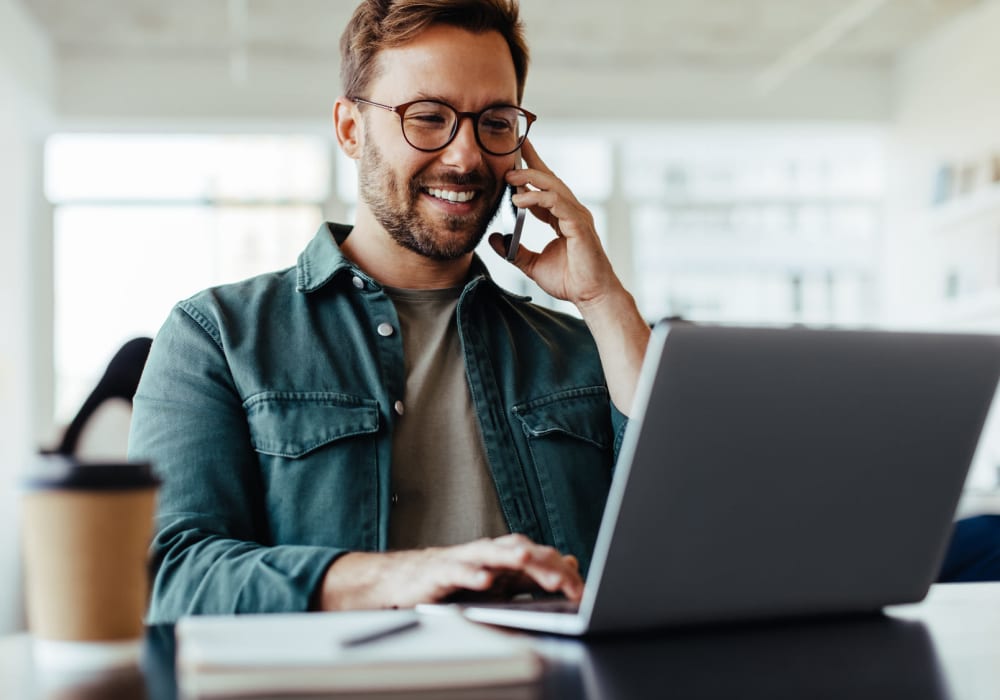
[646,59]
[571,32]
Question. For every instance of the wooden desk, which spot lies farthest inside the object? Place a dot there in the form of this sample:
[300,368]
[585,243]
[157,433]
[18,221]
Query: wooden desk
[946,648]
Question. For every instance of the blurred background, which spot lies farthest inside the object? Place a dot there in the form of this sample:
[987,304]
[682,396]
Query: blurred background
[819,162]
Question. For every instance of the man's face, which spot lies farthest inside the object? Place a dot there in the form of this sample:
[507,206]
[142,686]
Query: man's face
[436,204]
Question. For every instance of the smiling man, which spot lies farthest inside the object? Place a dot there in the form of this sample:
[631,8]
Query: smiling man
[382,425]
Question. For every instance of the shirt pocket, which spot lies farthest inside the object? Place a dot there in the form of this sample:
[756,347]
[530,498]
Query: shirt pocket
[570,439]
[317,453]
[293,424]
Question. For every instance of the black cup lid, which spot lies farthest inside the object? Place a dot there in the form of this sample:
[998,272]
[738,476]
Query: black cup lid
[53,471]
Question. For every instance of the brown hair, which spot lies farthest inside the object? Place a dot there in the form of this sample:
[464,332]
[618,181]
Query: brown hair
[383,24]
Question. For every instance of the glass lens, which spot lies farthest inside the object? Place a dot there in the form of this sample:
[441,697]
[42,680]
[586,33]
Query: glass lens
[501,129]
[428,124]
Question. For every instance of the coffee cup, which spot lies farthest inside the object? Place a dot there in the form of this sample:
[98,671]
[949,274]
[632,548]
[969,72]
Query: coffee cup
[86,532]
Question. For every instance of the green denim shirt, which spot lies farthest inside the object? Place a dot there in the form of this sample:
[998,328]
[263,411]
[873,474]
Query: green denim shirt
[267,408]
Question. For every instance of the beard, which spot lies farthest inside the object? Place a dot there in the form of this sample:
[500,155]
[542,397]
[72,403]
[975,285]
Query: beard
[394,205]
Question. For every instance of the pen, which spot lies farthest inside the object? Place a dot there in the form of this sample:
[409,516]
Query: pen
[373,634]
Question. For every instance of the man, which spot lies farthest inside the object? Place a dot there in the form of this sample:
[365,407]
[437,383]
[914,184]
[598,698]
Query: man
[382,425]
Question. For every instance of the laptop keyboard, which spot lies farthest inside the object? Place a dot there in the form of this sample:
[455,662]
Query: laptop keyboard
[543,605]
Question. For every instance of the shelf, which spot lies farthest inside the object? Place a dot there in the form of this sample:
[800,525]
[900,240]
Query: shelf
[961,210]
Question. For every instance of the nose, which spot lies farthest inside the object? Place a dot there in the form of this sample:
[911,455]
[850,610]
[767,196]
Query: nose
[463,153]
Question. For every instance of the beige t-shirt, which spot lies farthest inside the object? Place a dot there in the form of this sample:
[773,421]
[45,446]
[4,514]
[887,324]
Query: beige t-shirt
[443,492]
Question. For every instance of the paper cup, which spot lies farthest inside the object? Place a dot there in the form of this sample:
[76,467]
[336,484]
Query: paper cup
[86,533]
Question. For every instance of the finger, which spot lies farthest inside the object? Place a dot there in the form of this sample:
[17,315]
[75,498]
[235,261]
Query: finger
[537,179]
[518,553]
[550,570]
[486,553]
[546,566]
[531,157]
[567,212]
[566,582]
[476,578]
[536,552]
[546,199]
[546,558]
[450,576]
[514,539]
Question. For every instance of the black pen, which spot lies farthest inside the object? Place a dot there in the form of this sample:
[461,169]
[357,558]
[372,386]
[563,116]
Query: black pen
[376,633]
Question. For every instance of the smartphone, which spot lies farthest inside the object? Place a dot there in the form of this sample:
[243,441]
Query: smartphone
[515,236]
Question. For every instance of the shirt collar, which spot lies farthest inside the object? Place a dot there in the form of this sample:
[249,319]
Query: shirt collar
[322,260]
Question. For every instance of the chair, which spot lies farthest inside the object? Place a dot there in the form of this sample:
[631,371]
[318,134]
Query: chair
[100,428]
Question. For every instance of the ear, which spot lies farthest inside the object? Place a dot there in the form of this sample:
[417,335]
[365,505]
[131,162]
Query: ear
[347,126]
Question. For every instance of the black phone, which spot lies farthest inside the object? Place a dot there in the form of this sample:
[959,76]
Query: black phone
[515,235]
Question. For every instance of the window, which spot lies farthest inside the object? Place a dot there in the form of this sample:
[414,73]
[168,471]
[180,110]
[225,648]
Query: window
[143,221]
[756,224]
[729,223]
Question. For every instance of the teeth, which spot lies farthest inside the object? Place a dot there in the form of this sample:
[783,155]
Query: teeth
[451,195]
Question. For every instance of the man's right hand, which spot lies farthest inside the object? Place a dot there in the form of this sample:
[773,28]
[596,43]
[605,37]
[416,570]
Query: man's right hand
[506,566]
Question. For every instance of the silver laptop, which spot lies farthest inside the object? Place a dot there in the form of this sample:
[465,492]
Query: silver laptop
[780,472]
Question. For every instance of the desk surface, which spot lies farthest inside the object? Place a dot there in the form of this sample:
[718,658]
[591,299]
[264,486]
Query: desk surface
[946,648]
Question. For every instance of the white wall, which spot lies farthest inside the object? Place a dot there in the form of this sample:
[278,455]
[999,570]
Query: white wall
[26,86]
[947,110]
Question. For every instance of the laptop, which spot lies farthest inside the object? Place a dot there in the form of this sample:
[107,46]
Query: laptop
[780,472]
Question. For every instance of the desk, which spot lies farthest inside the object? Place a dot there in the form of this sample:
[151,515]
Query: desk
[946,648]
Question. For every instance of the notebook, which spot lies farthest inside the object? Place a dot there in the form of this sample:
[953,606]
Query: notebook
[382,650]
[773,472]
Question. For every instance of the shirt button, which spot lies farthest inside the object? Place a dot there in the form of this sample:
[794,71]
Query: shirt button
[395,499]
[385,330]
[358,282]
[399,407]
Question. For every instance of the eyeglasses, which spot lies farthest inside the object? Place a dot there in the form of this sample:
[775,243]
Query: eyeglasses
[429,125]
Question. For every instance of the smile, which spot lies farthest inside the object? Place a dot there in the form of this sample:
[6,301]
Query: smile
[451,195]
